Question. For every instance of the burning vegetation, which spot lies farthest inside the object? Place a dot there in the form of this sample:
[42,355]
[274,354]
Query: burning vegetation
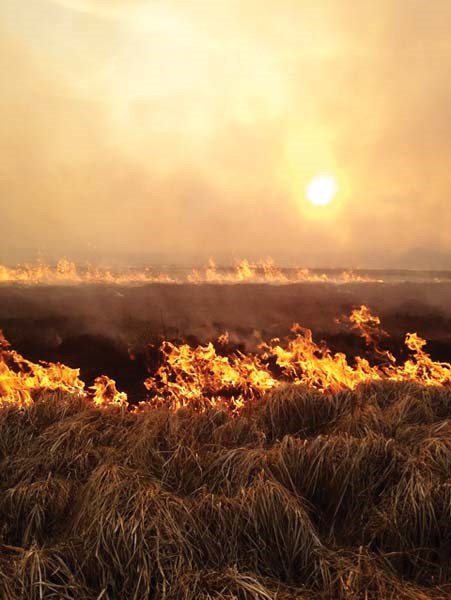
[264,271]
[214,374]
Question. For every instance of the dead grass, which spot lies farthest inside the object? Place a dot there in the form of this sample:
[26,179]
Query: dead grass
[302,496]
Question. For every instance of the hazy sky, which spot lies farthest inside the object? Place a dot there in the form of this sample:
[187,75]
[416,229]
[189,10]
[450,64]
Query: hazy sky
[179,130]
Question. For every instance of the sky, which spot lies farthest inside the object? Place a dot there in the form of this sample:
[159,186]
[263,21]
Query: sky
[176,130]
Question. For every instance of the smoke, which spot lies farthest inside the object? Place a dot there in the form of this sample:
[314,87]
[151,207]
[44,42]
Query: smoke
[172,131]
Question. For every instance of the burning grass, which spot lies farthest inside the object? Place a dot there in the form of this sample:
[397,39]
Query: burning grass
[302,494]
[65,272]
[219,375]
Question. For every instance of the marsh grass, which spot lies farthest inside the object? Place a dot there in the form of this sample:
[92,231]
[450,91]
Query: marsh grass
[301,496]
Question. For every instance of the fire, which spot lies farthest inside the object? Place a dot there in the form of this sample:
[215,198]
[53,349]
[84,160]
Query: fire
[305,362]
[104,391]
[66,272]
[367,324]
[421,367]
[369,328]
[207,375]
[265,271]
[21,379]
[200,374]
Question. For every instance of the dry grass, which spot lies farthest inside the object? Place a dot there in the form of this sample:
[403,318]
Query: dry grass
[302,496]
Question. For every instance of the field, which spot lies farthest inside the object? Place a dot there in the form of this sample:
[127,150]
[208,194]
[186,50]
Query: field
[336,489]
[306,495]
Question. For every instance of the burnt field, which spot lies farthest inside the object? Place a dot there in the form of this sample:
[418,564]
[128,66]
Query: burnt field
[116,330]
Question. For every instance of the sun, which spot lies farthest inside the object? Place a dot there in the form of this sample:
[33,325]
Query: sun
[321,190]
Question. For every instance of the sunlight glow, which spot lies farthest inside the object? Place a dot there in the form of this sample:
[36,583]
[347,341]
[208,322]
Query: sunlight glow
[321,190]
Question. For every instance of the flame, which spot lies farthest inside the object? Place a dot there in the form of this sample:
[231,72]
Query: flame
[224,339]
[66,272]
[265,271]
[195,375]
[244,271]
[305,362]
[207,375]
[367,324]
[369,328]
[421,367]
[307,275]
[104,391]
[21,379]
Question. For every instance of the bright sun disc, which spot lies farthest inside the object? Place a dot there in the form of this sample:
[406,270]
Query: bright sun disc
[321,190]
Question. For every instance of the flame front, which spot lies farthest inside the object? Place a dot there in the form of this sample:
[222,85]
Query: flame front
[66,272]
[202,375]
[208,375]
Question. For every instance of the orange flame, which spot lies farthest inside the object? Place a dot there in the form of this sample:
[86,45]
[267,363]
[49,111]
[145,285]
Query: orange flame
[66,272]
[199,374]
[203,376]
[104,391]
[421,367]
[21,379]
[265,271]
[369,328]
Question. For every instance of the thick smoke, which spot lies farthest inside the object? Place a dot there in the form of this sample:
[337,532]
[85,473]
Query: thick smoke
[168,132]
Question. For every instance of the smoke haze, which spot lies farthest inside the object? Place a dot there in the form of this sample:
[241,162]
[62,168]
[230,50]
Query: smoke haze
[159,131]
